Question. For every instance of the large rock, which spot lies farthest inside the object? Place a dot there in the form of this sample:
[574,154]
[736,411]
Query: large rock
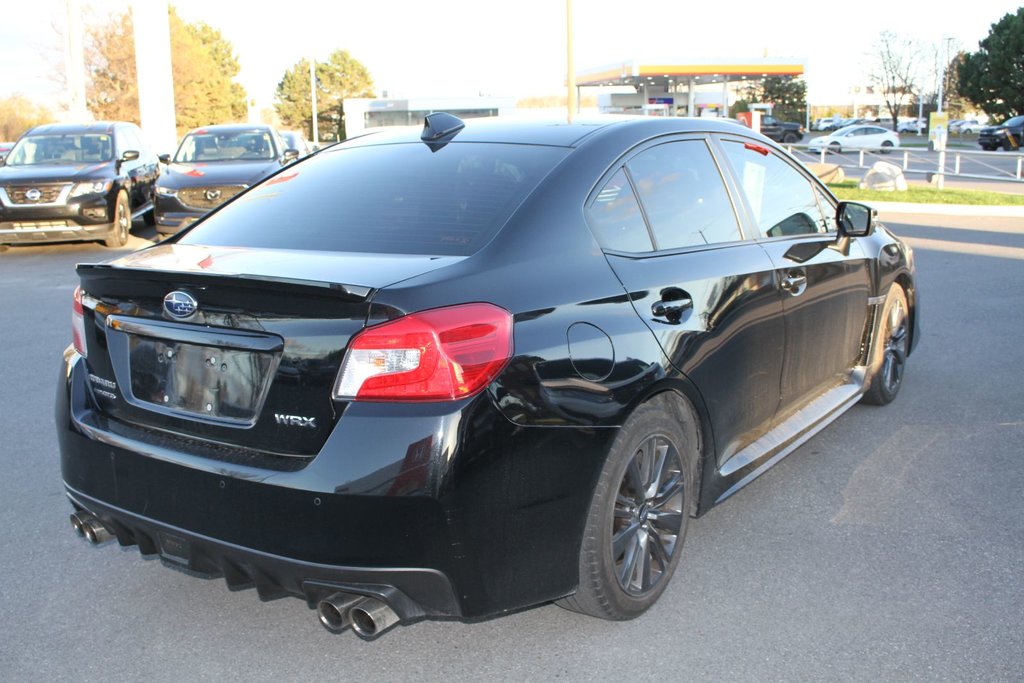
[884,176]
[827,173]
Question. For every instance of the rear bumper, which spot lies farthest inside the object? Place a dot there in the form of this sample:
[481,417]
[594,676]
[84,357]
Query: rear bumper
[442,510]
[412,593]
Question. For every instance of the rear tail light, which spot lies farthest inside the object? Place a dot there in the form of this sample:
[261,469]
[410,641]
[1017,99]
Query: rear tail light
[437,355]
[78,323]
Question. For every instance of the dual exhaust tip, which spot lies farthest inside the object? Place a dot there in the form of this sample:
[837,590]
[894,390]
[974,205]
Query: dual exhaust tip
[368,617]
[89,527]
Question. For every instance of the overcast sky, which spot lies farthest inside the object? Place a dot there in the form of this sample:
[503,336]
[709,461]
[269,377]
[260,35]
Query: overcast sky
[465,47]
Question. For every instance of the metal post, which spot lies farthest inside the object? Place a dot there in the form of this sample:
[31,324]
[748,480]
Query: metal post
[691,99]
[860,159]
[920,114]
[906,160]
[1019,160]
[570,78]
[942,169]
[956,164]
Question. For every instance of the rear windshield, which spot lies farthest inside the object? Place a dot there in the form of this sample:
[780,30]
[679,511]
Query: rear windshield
[386,199]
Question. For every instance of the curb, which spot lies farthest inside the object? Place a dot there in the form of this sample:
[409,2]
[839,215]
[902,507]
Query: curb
[949,209]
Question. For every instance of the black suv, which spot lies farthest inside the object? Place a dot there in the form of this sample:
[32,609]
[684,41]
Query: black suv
[65,182]
[1009,135]
[211,166]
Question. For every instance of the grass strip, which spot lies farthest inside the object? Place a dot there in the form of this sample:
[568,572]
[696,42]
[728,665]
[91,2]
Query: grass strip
[848,190]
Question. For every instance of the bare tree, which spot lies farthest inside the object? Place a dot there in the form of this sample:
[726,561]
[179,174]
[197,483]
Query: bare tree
[896,70]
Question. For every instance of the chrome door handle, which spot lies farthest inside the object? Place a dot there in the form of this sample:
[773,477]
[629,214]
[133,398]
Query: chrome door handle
[667,309]
[795,284]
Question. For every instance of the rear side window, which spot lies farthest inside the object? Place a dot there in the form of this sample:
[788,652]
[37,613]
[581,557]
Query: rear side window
[781,198]
[683,195]
[616,219]
[386,199]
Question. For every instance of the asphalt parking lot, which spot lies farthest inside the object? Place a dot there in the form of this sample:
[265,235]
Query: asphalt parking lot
[889,547]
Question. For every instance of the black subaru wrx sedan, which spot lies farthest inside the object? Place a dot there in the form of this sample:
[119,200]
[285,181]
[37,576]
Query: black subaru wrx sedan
[463,370]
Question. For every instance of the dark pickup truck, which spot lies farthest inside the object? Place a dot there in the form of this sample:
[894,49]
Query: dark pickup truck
[781,131]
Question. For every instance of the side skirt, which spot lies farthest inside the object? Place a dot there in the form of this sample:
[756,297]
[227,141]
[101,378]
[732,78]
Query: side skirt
[754,460]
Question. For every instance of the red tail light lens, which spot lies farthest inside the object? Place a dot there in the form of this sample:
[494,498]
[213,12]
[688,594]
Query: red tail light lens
[437,355]
[78,323]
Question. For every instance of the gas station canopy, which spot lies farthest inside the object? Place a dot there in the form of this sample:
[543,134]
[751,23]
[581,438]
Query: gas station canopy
[666,77]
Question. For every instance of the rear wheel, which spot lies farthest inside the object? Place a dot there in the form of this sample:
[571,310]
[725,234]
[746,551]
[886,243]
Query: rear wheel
[890,349]
[122,223]
[790,138]
[639,513]
[886,146]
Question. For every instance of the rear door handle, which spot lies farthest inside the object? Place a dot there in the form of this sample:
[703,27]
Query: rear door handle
[671,309]
[795,283]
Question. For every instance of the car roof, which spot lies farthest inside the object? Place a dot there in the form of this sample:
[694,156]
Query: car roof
[552,132]
[66,128]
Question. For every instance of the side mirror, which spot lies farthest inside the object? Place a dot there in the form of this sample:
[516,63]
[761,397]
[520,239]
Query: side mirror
[130,155]
[164,158]
[289,156]
[854,219]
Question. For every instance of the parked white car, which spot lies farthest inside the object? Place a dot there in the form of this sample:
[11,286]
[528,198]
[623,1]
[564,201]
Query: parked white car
[968,126]
[860,136]
[911,126]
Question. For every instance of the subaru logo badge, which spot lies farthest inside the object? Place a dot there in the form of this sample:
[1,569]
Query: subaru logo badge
[33,195]
[179,304]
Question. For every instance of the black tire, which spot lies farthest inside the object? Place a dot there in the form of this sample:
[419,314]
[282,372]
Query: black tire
[122,223]
[638,516]
[149,218]
[790,138]
[886,147]
[988,148]
[892,342]
[834,147]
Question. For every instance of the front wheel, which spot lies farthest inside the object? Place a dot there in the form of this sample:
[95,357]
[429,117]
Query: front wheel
[639,513]
[886,146]
[790,138]
[834,148]
[122,223]
[892,343]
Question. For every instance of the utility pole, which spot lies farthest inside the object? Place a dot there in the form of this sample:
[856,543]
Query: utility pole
[74,63]
[570,77]
[312,96]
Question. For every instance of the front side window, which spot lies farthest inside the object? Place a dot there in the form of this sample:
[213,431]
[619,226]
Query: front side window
[780,197]
[683,195]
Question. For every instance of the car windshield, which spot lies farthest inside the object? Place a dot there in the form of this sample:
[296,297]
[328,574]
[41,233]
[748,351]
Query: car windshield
[385,199]
[69,148]
[211,146]
[1015,121]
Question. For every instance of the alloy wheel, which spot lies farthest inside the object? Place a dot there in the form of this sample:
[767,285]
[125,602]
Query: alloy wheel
[648,515]
[895,356]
